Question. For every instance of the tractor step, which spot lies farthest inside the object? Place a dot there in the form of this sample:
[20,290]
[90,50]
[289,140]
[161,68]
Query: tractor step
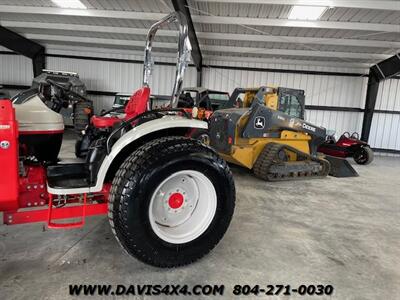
[51,224]
[67,176]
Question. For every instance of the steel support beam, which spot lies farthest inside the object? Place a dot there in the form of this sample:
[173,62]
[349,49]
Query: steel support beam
[199,78]
[388,68]
[39,62]
[372,93]
[211,48]
[24,46]
[182,6]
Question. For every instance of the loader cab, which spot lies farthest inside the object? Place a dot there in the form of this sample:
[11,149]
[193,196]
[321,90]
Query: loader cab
[202,98]
[291,102]
[120,100]
[156,101]
[286,100]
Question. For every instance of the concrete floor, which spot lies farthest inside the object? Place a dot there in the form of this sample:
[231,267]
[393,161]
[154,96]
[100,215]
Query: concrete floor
[343,232]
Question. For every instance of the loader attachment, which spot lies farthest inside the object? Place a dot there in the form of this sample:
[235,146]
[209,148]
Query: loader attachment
[340,167]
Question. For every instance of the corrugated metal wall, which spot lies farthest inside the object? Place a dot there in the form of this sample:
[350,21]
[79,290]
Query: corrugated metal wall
[119,77]
[15,69]
[321,90]
[385,128]
[111,76]
[106,76]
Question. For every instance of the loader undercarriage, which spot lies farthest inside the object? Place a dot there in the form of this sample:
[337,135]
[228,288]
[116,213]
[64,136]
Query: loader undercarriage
[272,165]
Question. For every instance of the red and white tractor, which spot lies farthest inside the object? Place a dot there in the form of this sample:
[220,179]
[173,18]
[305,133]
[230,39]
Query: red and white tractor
[169,198]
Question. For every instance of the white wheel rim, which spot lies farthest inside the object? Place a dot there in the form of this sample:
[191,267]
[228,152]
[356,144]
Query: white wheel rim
[182,207]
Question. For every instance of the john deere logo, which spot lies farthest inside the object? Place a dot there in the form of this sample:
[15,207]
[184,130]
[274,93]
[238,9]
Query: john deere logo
[259,123]
[4,144]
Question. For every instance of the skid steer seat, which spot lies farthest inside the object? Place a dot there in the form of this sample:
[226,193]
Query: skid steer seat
[137,105]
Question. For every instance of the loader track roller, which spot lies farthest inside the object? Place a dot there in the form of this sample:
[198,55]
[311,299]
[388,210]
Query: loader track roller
[271,165]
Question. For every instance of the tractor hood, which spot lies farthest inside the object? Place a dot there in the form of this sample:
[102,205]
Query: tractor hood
[34,116]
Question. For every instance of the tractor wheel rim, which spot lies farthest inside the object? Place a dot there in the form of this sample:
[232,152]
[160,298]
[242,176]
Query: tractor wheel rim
[182,207]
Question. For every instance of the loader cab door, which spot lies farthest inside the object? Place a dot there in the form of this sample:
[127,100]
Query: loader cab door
[291,102]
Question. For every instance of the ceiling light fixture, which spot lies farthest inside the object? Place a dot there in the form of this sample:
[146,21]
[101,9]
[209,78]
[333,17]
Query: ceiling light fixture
[306,12]
[69,4]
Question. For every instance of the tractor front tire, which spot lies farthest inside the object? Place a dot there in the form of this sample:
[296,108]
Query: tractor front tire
[171,201]
[364,155]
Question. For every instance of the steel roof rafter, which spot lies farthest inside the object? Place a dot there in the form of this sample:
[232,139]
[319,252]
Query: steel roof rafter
[364,4]
[233,49]
[206,35]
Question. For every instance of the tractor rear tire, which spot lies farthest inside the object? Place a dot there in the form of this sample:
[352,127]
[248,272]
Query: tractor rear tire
[364,156]
[171,202]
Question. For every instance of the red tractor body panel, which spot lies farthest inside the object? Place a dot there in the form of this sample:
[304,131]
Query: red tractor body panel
[8,157]
[26,186]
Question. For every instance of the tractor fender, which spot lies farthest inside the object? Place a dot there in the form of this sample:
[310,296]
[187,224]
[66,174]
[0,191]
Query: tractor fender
[167,122]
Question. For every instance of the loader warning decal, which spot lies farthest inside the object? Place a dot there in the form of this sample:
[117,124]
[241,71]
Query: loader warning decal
[259,123]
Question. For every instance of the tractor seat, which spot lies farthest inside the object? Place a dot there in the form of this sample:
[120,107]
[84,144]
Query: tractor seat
[104,122]
[136,105]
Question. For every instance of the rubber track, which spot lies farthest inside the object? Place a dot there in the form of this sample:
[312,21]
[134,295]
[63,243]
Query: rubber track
[269,157]
[137,163]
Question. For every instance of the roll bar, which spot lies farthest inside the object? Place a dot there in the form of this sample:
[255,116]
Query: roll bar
[184,49]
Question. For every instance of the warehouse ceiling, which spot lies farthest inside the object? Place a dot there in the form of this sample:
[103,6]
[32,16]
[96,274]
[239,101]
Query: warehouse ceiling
[347,32]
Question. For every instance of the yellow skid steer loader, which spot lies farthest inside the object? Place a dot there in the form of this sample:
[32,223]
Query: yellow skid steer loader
[265,131]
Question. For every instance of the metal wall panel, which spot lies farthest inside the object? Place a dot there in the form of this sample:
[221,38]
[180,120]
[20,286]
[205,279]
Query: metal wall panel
[108,76]
[15,69]
[338,121]
[119,77]
[385,128]
[125,77]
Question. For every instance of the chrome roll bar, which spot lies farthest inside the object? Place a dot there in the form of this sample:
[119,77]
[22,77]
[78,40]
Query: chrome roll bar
[184,49]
